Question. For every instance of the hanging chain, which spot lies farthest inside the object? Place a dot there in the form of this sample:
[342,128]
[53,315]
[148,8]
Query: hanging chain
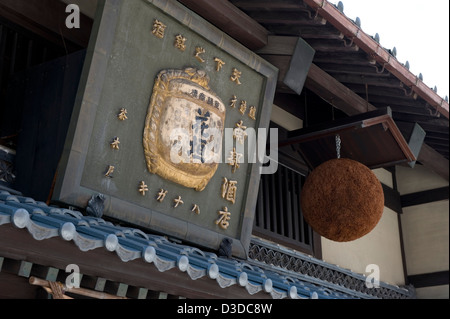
[338,146]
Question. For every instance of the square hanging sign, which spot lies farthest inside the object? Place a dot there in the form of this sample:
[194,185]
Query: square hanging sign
[168,117]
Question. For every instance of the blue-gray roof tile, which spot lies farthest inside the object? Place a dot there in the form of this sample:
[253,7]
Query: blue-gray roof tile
[90,233]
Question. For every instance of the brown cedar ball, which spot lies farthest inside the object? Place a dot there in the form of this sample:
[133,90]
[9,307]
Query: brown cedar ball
[342,200]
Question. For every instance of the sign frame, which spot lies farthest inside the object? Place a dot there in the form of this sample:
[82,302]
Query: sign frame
[68,188]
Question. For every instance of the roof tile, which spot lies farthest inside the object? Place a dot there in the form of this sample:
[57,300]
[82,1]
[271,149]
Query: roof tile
[89,233]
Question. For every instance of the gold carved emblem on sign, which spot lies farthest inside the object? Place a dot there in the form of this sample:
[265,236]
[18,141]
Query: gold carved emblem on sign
[184,128]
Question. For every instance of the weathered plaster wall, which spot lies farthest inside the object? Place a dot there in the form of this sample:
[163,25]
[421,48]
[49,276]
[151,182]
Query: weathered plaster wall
[425,229]
[380,247]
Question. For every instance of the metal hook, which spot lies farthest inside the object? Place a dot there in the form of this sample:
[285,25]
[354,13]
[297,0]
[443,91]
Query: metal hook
[321,6]
[348,45]
[310,14]
[410,93]
[432,112]
[382,69]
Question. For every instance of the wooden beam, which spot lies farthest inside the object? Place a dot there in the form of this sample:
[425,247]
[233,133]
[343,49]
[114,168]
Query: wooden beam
[308,32]
[345,59]
[47,19]
[228,18]
[270,4]
[392,199]
[279,52]
[429,280]
[424,197]
[340,96]
[58,253]
[21,268]
[137,292]
[349,67]
[383,91]
[369,80]
[335,93]
[16,287]
[287,18]
[279,45]
[327,46]
[282,62]
[47,273]
[403,110]
[435,161]
[382,56]
[78,291]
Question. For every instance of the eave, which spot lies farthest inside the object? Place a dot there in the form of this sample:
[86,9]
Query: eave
[379,54]
[350,70]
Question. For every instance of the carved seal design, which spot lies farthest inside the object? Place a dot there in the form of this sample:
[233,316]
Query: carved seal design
[184,128]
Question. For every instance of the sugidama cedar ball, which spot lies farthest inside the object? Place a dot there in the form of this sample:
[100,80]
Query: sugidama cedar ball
[342,200]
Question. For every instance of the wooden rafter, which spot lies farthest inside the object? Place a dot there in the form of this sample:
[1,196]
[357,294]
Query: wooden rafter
[58,290]
[439,278]
[279,52]
[231,20]
[60,253]
[32,15]
[335,92]
[424,197]
[380,55]
[349,102]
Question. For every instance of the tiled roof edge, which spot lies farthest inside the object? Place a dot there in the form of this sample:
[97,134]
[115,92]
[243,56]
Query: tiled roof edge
[347,27]
[89,233]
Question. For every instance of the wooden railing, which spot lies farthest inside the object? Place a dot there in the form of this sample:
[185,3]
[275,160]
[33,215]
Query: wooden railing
[278,215]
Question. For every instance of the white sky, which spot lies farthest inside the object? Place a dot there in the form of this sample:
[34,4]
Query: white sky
[418,29]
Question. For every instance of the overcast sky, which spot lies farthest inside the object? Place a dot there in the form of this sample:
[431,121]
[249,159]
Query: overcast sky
[418,29]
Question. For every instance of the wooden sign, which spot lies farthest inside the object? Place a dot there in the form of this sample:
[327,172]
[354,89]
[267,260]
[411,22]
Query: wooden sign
[166,124]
